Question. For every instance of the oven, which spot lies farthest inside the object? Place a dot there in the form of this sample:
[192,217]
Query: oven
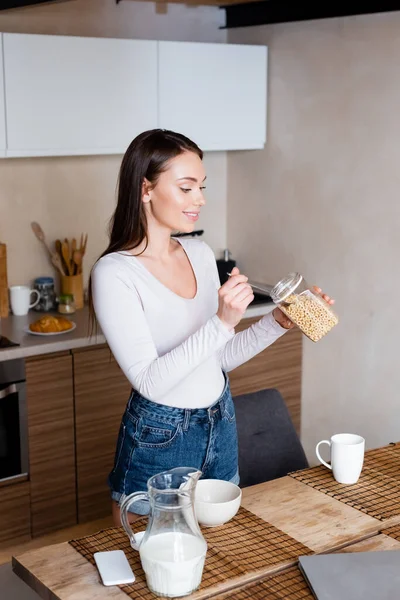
[14,461]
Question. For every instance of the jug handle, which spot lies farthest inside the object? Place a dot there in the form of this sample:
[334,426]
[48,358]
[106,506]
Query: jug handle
[127,502]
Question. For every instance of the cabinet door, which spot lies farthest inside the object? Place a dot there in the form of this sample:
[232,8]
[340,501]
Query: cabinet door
[214,93]
[73,95]
[49,386]
[15,520]
[101,394]
[2,105]
[278,366]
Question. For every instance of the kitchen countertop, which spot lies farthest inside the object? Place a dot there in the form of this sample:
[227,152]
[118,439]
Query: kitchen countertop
[32,345]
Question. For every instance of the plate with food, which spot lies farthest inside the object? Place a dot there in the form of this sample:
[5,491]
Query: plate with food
[49,325]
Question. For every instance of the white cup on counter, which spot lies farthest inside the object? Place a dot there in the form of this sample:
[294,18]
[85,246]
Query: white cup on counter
[20,299]
[347,456]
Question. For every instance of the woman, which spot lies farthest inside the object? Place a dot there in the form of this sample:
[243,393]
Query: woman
[169,324]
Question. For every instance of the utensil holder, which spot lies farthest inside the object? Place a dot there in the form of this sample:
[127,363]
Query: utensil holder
[73,284]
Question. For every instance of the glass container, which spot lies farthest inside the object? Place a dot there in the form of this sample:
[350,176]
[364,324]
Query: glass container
[47,296]
[304,307]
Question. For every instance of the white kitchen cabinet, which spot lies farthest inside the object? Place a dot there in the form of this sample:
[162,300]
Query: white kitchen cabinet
[2,107]
[72,95]
[215,94]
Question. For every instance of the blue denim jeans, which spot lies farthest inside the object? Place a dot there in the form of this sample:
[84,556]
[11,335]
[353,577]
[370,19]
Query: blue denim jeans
[154,438]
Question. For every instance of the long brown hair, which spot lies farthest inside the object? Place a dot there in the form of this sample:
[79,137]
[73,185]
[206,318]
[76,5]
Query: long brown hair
[146,158]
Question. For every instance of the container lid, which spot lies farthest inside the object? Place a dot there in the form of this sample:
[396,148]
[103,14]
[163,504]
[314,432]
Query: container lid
[285,287]
[44,280]
[66,298]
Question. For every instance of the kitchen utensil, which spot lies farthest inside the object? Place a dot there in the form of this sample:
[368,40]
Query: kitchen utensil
[172,549]
[66,256]
[58,247]
[39,233]
[83,249]
[266,289]
[69,247]
[73,248]
[57,262]
[77,258]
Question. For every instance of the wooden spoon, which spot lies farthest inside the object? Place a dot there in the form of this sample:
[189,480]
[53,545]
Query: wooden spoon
[66,257]
[38,231]
[57,244]
[59,252]
[77,257]
[58,263]
[73,248]
[83,249]
[54,256]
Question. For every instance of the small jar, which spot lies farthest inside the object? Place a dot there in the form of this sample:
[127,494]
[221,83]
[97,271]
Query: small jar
[45,287]
[66,304]
[309,311]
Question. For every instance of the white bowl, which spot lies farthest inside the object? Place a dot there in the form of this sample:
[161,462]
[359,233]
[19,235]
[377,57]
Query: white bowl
[216,501]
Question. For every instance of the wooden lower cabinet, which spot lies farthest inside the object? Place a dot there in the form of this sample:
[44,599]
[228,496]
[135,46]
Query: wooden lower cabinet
[51,442]
[15,518]
[101,392]
[279,366]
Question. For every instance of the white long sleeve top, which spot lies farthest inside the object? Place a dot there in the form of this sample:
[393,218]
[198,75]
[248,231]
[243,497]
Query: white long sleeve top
[172,349]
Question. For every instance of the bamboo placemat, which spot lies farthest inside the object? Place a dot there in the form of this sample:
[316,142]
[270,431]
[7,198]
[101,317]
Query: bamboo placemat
[282,586]
[377,492]
[393,532]
[243,549]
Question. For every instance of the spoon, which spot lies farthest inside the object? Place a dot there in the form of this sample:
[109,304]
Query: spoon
[59,252]
[57,262]
[54,256]
[66,256]
[254,286]
[39,233]
[77,258]
[83,247]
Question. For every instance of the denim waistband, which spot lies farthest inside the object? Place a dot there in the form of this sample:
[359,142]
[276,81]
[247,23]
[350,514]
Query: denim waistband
[140,405]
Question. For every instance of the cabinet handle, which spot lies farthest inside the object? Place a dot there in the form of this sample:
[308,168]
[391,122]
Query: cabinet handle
[11,389]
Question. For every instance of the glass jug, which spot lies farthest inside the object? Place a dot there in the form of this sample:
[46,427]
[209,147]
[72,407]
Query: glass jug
[172,550]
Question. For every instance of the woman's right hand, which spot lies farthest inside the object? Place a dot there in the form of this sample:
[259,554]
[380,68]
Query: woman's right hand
[233,299]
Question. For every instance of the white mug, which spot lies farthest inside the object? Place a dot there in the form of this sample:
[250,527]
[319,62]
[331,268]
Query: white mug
[20,299]
[347,456]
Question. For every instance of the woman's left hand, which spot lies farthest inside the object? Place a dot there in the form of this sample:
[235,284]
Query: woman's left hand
[285,322]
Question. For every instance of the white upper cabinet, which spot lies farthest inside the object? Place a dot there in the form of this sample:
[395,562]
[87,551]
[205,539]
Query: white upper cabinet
[64,95]
[2,107]
[215,94]
[72,95]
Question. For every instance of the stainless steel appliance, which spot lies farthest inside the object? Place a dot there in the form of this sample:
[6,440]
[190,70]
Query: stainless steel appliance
[13,420]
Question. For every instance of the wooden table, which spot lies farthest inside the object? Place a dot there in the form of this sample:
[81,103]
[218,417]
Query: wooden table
[319,521]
